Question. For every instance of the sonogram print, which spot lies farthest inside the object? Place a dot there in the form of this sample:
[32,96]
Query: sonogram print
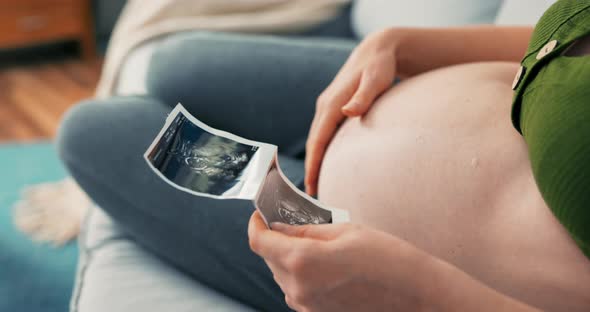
[198,160]
[278,202]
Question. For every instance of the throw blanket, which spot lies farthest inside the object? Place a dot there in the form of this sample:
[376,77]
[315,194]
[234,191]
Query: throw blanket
[141,21]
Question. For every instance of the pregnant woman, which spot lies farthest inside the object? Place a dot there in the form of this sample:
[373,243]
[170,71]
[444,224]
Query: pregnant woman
[455,205]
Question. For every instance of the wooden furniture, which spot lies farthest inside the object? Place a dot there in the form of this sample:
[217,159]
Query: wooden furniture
[33,98]
[31,22]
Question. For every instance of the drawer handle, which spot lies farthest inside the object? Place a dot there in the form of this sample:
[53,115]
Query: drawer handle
[32,23]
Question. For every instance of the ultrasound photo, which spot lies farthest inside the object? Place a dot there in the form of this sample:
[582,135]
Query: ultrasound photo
[203,161]
[279,202]
[193,158]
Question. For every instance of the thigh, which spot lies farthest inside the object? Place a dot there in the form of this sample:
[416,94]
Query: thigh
[102,145]
[260,87]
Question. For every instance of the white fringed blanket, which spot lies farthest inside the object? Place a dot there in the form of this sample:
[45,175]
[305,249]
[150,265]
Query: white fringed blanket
[145,20]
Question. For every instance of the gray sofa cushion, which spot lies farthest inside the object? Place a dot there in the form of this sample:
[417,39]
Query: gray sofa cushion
[372,15]
[115,274]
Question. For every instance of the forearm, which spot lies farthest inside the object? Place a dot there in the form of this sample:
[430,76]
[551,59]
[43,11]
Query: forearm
[421,49]
[451,289]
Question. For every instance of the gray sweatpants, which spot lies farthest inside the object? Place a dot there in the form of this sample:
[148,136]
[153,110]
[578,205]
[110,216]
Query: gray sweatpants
[259,87]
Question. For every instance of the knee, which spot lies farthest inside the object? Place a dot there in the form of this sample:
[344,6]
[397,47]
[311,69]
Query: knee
[73,137]
[93,130]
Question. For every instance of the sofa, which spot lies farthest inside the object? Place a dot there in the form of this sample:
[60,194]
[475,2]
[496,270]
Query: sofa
[116,274]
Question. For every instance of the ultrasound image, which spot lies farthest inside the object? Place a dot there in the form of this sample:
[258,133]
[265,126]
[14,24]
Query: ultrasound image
[195,158]
[278,202]
[198,160]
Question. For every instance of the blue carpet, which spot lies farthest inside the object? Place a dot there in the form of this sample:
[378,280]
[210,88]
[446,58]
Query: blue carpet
[33,276]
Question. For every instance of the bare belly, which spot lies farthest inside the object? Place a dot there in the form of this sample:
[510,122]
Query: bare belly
[437,162]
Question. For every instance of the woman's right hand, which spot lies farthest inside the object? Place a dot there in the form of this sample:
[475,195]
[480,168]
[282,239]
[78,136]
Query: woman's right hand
[369,71]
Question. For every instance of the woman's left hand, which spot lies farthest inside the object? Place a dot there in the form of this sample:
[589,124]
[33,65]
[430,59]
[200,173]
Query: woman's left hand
[342,267]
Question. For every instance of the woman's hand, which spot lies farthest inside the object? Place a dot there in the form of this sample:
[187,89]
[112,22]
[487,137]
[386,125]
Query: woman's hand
[342,267]
[346,267]
[369,71]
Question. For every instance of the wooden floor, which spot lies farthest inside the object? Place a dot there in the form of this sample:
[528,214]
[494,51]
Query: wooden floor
[34,95]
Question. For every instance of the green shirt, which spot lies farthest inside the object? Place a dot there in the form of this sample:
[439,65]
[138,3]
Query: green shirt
[552,111]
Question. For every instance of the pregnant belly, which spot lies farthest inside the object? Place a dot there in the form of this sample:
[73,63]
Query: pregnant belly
[432,152]
[437,162]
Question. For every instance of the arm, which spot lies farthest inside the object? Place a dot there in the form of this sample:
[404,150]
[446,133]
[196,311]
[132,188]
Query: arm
[454,290]
[345,267]
[400,52]
[421,50]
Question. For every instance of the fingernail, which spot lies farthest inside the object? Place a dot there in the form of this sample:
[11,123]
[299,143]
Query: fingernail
[349,108]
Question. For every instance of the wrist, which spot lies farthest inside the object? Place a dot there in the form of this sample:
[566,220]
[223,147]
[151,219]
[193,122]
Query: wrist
[430,284]
[441,286]
[451,289]
[413,277]
[432,279]
[401,40]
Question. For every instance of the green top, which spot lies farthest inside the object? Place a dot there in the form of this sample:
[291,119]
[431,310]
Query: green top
[552,111]
[565,21]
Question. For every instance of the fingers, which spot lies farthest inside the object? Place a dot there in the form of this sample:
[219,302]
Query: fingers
[327,118]
[373,83]
[358,94]
[320,136]
[256,224]
[312,231]
[267,243]
[256,228]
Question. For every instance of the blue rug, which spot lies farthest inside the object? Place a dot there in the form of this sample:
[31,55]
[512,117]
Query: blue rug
[33,276]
